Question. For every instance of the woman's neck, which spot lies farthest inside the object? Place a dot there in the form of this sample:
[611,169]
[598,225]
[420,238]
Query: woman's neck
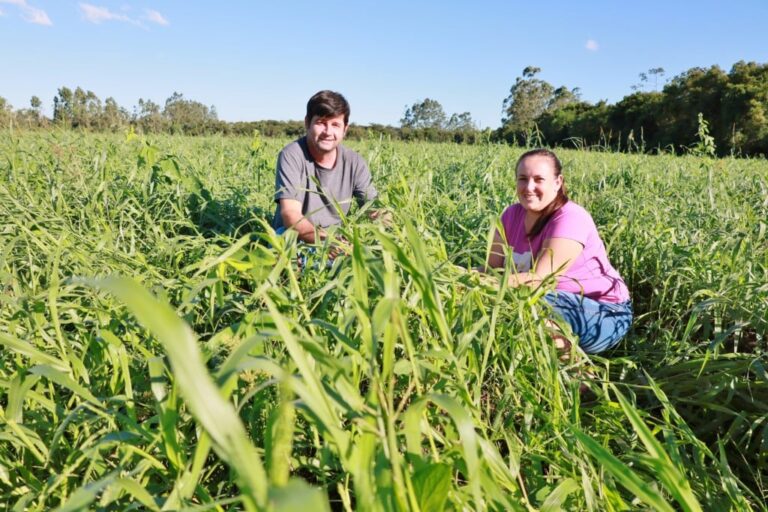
[530,220]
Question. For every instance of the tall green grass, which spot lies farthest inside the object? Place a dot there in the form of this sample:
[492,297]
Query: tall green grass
[161,349]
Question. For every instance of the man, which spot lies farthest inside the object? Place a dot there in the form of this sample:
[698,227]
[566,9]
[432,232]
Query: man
[316,174]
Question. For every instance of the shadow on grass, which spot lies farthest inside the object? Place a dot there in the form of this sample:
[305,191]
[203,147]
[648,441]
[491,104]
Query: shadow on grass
[233,216]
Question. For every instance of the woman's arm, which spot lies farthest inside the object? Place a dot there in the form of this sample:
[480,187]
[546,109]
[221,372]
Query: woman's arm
[557,254]
[496,256]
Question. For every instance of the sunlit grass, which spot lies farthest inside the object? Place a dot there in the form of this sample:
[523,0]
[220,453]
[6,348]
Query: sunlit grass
[161,350]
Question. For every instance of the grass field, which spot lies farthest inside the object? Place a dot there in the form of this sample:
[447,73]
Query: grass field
[160,349]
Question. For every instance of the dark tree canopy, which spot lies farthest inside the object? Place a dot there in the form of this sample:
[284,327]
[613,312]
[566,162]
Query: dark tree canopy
[733,107]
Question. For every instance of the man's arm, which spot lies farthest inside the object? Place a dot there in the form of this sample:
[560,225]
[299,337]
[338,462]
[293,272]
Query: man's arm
[363,188]
[290,211]
[365,191]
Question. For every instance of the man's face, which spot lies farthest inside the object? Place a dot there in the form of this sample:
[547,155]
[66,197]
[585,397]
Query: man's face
[325,133]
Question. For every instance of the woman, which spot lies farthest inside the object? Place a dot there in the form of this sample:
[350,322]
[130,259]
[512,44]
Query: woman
[548,234]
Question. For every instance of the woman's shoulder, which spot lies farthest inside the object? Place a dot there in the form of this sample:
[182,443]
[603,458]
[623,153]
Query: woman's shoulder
[571,220]
[512,212]
[513,209]
[573,210]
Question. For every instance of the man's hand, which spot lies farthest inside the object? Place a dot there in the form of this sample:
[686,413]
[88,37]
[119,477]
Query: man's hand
[484,277]
[382,215]
[340,246]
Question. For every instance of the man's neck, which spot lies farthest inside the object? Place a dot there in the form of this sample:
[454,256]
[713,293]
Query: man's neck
[323,159]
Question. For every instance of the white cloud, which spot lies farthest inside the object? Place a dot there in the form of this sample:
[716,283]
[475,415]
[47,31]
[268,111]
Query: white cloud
[96,14]
[155,17]
[37,16]
[30,14]
[592,45]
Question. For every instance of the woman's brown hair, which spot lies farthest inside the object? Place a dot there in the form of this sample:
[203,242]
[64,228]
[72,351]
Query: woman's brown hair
[562,194]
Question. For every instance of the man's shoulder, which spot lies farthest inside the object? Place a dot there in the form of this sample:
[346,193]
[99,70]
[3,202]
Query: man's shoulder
[294,157]
[298,147]
[350,156]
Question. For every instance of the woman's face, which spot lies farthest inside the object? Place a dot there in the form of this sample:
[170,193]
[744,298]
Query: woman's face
[537,185]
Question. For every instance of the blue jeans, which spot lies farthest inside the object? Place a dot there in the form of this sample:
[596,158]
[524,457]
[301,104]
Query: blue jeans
[304,251]
[599,325]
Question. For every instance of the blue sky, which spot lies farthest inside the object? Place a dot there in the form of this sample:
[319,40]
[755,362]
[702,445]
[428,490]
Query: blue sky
[262,60]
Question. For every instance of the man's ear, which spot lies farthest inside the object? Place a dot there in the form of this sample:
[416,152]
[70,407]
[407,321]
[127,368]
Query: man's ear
[306,122]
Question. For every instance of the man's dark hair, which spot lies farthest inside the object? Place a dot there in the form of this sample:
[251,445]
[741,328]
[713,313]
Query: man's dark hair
[327,104]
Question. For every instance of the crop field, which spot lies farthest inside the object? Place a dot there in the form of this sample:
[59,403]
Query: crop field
[160,349]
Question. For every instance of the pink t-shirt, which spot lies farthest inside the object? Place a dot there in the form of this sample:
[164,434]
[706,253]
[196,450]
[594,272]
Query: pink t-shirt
[591,273]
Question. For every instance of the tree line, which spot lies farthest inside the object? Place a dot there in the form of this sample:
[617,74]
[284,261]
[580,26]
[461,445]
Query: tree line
[731,109]
[82,109]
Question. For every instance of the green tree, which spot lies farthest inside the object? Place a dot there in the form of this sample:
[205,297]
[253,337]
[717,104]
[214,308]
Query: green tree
[425,114]
[6,112]
[86,110]
[113,117]
[63,107]
[528,99]
[37,106]
[698,90]
[560,125]
[76,109]
[561,97]
[31,117]
[745,109]
[148,116]
[638,120]
[460,122]
[655,73]
[188,116]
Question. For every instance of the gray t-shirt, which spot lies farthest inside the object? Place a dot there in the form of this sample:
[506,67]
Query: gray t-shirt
[316,188]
